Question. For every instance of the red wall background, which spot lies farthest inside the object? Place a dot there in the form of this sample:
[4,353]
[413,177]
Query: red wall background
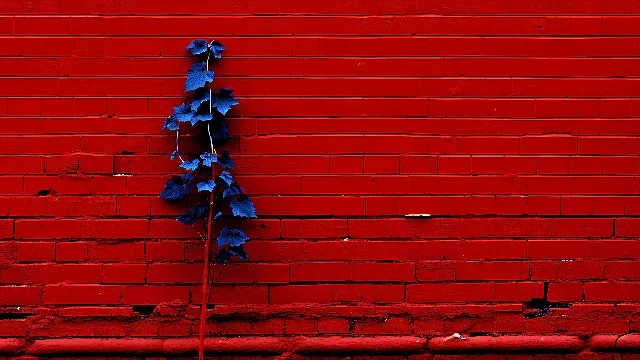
[513,123]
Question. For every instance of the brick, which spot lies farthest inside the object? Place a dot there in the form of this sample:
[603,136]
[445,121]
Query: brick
[242,295]
[36,251]
[125,252]
[71,251]
[565,292]
[81,294]
[503,270]
[436,271]
[449,293]
[518,291]
[124,273]
[301,326]
[268,326]
[165,251]
[272,273]
[328,325]
[16,275]
[153,295]
[381,165]
[314,228]
[614,291]
[81,273]
[20,295]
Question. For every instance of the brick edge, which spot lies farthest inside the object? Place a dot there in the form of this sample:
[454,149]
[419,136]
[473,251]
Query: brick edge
[325,344]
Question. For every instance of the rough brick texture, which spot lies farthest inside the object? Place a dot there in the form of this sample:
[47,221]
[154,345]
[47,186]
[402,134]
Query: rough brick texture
[513,123]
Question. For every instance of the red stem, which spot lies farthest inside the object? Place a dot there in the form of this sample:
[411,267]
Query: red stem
[205,277]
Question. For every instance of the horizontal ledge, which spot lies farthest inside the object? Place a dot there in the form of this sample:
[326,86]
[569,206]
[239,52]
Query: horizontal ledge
[325,344]
[499,344]
[249,345]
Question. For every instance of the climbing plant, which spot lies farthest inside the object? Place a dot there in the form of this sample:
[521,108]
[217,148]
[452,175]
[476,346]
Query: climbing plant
[208,173]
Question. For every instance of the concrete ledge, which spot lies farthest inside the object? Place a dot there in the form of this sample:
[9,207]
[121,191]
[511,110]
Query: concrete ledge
[325,345]
[499,344]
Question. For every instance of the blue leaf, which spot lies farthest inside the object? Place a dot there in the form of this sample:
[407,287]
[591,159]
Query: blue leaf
[225,160]
[195,117]
[216,48]
[243,207]
[208,159]
[201,96]
[232,190]
[198,47]
[239,252]
[175,188]
[223,256]
[175,154]
[187,177]
[223,101]
[233,237]
[171,124]
[196,78]
[192,215]
[206,185]
[220,130]
[217,215]
[226,177]
[190,165]
[182,113]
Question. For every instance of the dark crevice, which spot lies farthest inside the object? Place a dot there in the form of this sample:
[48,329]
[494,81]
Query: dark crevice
[44,192]
[543,306]
[480,333]
[16,316]
[144,310]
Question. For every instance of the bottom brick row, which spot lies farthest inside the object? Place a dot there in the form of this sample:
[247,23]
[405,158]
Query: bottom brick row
[292,346]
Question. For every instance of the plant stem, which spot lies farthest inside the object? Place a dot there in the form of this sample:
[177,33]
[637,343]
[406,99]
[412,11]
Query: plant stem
[207,243]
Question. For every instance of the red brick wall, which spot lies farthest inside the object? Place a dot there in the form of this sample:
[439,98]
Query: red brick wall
[513,123]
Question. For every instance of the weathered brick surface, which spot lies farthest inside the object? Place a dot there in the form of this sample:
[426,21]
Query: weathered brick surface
[514,124]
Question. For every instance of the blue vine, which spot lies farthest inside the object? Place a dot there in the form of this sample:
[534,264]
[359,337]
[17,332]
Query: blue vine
[207,108]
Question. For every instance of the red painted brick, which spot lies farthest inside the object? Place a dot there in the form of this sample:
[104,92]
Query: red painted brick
[20,295]
[71,251]
[124,273]
[81,294]
[36,251]
[513,124]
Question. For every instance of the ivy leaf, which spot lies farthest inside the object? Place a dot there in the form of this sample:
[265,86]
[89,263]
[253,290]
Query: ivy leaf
[224,100]
[225,160]
[192,215]
[171,124]
[175,154]
[198,47]
[220,130]
[239,252]
[196,78]
[187,177]
[182,113]
[226,177]
[233,237]
[195,117]
[216,48]
[201,96]
[243,207]
[206,185]
[217,215]
[223,256]
[232,190]
[208,159]
[190,165]
[175,188]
